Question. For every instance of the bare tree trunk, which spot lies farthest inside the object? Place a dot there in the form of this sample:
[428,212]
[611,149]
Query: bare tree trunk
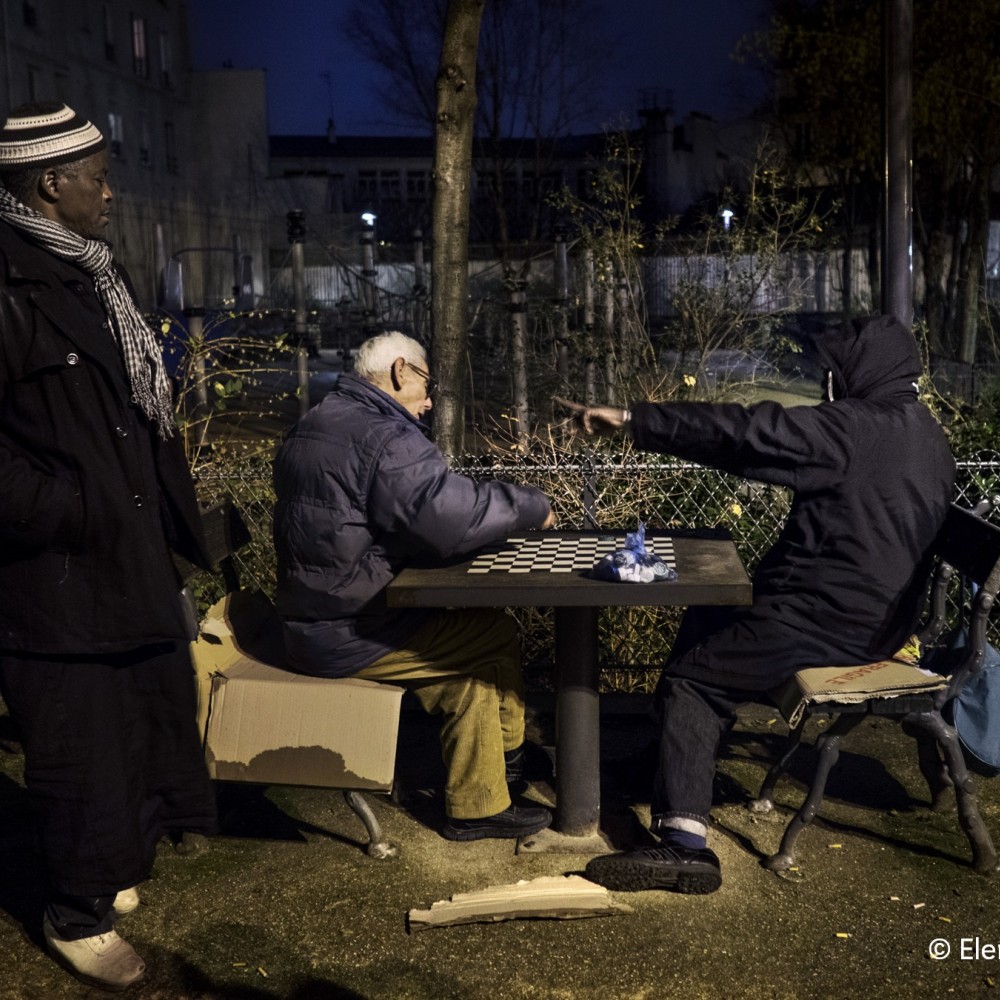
[610,364]
[456,106]
[589,350]
[971,286]
[519,360]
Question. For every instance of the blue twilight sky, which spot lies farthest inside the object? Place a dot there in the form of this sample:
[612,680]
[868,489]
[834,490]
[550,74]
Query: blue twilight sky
[312,72]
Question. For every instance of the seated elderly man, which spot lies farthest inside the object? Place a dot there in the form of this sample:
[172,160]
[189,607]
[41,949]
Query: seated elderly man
[362,493]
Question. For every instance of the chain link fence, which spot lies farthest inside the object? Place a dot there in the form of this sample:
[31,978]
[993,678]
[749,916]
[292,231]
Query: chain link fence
[588,490]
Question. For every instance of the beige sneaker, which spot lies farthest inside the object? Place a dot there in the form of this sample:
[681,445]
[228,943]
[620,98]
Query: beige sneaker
[104,960]
[126,901]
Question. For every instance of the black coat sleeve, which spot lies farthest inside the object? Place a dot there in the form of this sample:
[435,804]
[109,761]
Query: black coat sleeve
[787,446]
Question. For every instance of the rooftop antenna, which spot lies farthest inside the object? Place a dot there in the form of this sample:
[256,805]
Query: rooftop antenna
[329,97]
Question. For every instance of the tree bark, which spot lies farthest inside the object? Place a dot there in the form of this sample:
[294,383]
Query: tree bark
[453,129]
[972,280]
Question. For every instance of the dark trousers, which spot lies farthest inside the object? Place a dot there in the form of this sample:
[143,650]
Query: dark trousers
[693,718]
[113,760]
[694,715]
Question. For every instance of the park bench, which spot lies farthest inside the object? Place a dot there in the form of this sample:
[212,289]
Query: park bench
[265,724]
[967,572]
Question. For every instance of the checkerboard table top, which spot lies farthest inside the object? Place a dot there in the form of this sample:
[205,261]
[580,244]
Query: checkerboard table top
[558,554]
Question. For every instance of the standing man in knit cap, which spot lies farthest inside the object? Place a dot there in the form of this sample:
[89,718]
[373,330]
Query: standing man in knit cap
[95,494]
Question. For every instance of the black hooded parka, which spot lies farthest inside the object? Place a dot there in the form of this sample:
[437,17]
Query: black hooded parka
[872,477]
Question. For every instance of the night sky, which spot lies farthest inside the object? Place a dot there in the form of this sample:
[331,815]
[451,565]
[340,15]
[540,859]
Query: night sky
[312,72]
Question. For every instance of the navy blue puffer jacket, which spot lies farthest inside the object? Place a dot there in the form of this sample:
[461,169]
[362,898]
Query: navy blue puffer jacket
[362,493]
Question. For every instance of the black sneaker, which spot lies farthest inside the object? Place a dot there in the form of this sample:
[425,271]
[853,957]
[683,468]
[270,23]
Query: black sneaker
[681,869]
[514,821]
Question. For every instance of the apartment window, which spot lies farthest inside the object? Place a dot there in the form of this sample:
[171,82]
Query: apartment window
[109,33]
[367,184]
[166,60]
[417,185]
[389,185]
[116,135]
[170,147]
[30,11]
[145,154]
[335,193]
[140,59]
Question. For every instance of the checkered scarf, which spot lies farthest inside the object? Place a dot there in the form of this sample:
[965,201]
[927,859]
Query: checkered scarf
[136,340]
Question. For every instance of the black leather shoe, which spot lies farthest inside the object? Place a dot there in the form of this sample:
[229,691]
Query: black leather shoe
[514,821]
[681,869]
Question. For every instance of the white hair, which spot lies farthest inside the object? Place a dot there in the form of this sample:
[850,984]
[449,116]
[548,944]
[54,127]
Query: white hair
[376,355]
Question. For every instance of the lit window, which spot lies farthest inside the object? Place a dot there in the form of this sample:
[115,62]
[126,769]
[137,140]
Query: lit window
[116,134]
[166,61]
[140,61]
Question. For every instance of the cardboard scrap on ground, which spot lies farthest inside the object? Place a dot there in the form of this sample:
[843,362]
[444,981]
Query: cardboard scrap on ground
[559,897]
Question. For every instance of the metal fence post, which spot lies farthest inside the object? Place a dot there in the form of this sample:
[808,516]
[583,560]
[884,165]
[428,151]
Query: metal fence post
[589,493]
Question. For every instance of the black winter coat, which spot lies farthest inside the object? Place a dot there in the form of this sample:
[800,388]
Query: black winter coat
[362,493]
[873,477]
[91,500]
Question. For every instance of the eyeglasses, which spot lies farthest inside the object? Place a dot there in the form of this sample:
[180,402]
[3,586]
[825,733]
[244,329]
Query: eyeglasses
[426,376]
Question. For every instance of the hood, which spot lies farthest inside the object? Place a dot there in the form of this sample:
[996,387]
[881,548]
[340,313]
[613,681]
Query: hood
[871,359]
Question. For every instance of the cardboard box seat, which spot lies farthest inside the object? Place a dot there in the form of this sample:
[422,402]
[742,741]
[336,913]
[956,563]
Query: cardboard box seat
[263,723]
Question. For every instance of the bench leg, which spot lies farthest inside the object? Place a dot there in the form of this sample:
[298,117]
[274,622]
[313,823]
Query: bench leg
[828,746]
[934,770]
[984,855]
[378,846]
[764,802]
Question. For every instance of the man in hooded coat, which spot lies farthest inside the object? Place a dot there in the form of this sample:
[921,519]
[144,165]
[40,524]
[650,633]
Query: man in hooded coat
[843,584]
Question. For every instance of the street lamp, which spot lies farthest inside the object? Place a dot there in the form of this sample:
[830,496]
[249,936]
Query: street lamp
[727,217]
[368,272]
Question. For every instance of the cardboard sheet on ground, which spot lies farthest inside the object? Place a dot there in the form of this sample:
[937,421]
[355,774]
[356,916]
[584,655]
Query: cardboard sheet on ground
[555,897]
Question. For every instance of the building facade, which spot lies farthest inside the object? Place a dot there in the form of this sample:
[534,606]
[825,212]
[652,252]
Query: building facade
[127,67]
[202,191]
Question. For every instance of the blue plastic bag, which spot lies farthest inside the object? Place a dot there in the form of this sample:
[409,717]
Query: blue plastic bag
[633,563]
[976,711]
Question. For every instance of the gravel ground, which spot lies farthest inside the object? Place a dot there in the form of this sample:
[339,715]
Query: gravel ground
[285,904]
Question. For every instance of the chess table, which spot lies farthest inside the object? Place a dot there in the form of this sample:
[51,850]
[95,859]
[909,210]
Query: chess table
[550,569]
